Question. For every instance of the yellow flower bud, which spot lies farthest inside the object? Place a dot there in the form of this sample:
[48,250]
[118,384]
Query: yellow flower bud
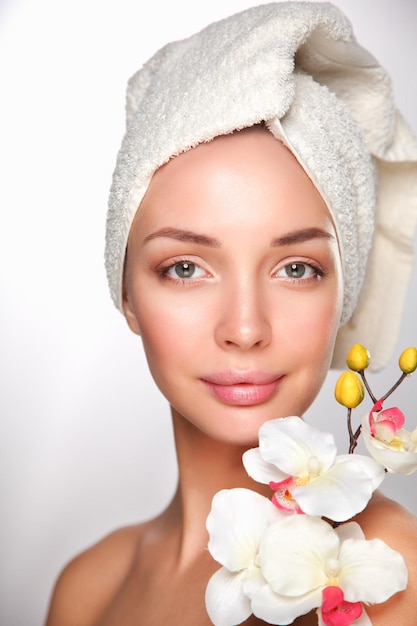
[358,358]
[350,390]
[408,360]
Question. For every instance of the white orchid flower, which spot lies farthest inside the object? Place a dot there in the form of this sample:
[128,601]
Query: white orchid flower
[309,565]
[388,442]
[300,464]
[236,522]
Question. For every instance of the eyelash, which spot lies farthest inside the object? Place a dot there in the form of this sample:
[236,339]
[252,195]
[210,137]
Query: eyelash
[163,272]
[318,273]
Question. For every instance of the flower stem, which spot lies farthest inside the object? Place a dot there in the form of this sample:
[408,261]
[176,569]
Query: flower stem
[349,426]
[354,443]
[395,386]
[368,389]
[353,437]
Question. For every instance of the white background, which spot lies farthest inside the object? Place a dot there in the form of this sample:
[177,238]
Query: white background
[86,443]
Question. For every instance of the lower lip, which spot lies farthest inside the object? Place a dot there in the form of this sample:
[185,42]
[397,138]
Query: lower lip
[246,394]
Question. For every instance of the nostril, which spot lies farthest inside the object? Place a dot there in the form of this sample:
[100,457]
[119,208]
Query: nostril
[245,340]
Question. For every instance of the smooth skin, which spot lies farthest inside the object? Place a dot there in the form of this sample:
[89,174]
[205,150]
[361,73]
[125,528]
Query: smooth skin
[234,282]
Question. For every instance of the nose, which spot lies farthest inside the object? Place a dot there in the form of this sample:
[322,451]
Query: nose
[244,321]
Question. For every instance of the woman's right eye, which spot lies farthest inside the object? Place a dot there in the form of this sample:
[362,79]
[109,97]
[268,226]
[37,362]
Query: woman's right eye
[183,270]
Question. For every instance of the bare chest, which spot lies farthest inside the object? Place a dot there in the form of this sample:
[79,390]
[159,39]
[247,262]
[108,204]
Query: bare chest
[155,598]
[178,600]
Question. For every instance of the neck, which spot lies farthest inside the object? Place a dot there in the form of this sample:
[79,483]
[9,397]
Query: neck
[205,467]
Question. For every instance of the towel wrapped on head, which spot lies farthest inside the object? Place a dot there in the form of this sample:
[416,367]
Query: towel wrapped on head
[296,67]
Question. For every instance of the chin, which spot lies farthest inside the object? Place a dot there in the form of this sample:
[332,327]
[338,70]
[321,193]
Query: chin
[241,432]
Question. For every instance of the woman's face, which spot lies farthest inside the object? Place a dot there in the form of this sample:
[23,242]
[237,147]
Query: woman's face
[233,280]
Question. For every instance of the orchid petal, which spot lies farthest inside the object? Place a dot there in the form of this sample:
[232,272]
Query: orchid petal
[374,470]
[395,461]
[253,581]
[370,571]
[392,416]
[350,530]
[226,604]
[385,431]
[405,436]
[293,553]
[289,443]
[273,608]
[335,609]
[282,497]
[235,524]
[339,494]
[258,469]
[363,620]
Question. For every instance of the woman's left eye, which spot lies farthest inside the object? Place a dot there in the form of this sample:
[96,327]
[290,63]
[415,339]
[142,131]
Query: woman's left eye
[299,271]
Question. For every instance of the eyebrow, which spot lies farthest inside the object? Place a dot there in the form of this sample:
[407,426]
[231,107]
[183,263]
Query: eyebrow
[184,235]
[298,236]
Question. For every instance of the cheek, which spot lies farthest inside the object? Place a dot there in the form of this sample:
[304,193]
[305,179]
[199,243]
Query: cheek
[313,352]
[325,324]
[326,320]
[171,332]
[314,329]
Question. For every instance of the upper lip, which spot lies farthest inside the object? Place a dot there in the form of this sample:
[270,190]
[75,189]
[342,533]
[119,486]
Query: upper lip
[236,377]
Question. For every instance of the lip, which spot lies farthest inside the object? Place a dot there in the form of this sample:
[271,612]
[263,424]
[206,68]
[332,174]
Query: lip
[242,388]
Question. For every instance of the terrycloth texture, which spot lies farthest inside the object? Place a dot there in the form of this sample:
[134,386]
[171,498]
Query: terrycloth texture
[297,67]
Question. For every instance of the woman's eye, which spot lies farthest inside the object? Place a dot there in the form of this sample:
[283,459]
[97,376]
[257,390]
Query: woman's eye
[299,271]
[183,270]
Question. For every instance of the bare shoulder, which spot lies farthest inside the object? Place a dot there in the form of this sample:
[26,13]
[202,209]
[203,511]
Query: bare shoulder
[89,582]
[385,515]
[387,520]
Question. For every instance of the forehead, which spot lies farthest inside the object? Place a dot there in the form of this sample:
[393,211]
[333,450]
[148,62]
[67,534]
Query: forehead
[242,178]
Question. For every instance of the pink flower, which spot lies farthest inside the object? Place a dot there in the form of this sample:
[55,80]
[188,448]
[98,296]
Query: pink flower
[385,424]
[336,611]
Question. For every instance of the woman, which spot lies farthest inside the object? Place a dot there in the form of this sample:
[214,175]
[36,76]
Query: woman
[239,247]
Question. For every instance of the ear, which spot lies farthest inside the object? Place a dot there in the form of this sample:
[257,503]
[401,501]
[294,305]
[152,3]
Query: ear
[129,312]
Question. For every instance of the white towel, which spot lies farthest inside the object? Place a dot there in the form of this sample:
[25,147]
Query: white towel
[297,67]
